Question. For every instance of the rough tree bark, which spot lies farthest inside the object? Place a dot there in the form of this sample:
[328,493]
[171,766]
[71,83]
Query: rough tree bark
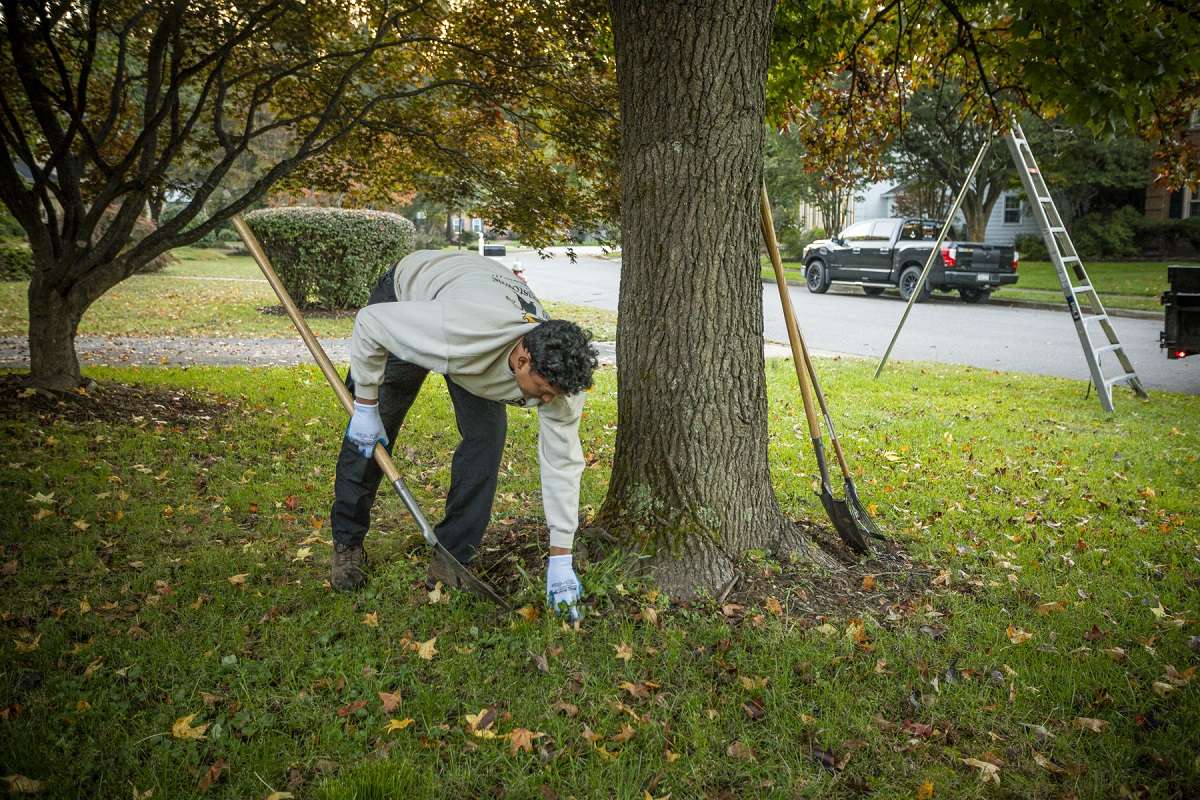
[691,485]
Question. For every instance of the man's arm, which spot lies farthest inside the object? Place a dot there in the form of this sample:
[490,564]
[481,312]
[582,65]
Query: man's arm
[561,459]
[410,330]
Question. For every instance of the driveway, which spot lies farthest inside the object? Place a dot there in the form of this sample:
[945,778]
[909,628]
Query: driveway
[997,337]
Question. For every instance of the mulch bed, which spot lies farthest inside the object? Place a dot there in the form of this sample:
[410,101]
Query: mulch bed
[109,402]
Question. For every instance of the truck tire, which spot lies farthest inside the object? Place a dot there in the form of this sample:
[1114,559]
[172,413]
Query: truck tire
[973,295]
[872,291]
[908,282]
[816,277]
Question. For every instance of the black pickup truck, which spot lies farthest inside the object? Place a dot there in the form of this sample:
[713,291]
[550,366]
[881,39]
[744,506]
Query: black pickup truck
[881,253]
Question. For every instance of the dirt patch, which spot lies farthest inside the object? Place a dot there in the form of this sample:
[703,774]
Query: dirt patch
[886,583]
[110,402]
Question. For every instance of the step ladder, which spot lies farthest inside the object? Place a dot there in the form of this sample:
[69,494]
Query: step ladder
[1082,299]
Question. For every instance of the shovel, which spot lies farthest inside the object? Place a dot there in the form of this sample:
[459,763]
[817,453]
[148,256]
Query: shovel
[849,518]
[382,458]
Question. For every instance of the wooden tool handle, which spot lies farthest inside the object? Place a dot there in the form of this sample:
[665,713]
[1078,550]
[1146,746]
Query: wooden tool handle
[789,316]
[382,458]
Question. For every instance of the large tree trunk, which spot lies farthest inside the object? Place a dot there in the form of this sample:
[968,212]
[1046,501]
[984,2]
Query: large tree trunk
[690,483]
[53,321]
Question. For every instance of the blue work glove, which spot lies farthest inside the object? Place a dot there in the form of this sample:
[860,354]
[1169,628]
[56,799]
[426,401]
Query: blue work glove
[365,429]
[563,587]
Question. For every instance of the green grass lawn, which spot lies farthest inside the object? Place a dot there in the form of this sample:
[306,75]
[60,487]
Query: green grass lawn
[212,293]
[162,579]
[1133,285]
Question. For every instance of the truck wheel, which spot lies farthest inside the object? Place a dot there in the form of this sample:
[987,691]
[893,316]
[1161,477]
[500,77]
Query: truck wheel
[872,291]
[908,282]
[972,295]
[816,276]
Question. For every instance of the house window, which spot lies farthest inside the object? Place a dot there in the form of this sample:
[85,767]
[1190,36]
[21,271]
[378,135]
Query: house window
[457,224]
[1194,204]
[1012,209]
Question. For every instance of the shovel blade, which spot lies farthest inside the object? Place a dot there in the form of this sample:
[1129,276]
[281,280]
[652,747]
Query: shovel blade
[467,580]
[844,523]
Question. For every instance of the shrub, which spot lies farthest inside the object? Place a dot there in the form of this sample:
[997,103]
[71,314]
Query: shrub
[16,259]
[1168,238]
[793,240]
[331,257]
[1032,247]
[429,241]
[9,225]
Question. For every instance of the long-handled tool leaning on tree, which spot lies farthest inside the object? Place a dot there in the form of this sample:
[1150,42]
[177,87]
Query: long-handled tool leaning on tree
[849,518]
[467,580]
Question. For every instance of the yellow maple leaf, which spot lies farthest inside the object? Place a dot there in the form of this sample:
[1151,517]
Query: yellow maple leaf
[868,583]
[239,579]
[750,684]
[81,525]
[371,619]
[427,650]
[528,613]
[27,647]
[480,724]
[394,725]
[303,553]
[522,739]
[19,784]
[925,791]
[624,651]
[183,728]
[773,606]
[1017,636]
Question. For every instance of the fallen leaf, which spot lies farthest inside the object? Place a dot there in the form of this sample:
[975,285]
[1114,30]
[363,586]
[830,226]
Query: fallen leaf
[987,770]
[925,791]
[626,733]
[638,690]
[279,796]
[1117,654]
[38,497]
[350,708]
[1177,678]
[648,615]
[1162,689]
[436,594]
[589,735]
[19,784]
[826,630]
[211,775]
[394,725]
[773,606]
[183,728]
[1095,634]
[624,651]
[81,524]
[1090,724]
[390,700]
[240,579]
[41,514]
[528,613]
[303,553]
[567,708]
[1017,636]
[480,724]
[1046,764]
[371,619]
[29,646]
[750,684]
[738,750]
[868,583]
[522,739]
[1049,608]
[754,709]
[427,650]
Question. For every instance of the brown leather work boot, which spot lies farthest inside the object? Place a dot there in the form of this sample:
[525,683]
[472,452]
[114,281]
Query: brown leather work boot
[348,571]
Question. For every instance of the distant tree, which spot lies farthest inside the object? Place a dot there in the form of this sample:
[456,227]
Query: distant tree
[111,106]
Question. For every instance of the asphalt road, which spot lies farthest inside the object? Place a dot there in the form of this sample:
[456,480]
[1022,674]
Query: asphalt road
[990,336]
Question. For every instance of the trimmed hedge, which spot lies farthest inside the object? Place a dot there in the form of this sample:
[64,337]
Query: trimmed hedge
[16,260]
[331,257]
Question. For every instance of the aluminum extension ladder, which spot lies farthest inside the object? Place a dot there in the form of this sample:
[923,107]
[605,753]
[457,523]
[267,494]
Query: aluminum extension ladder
[1062,252]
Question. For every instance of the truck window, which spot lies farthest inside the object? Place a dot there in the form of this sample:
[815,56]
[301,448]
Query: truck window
[857,232]
[883,230]
[922,230]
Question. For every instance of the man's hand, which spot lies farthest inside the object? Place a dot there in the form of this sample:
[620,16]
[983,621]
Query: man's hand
[366,428]
[563,587]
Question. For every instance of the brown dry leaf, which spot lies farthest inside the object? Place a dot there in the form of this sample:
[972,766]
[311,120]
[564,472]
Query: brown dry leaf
[436,595]
[211,776]
[350,708]
[671,757]
[1017,636]
[394,725]
[925,791]
[19,784]
[1181,679]
[624,651]
[427,650]
[1117,654]
[1046,764]
[371,619]
[591,736]
[183,728]
[1090,724]
[750,684]
[528,613]
[987,770]
[648,615]
[638,690]
[81,524]
[480,724]
[239,579]
[522,739]
[754,709]
[27,647]
[825,629]
[390,700]
[626,733]
[1049,608]
[773,606]
[569,709]
[733,610]
[868,583]
[738,750]
[1162,689]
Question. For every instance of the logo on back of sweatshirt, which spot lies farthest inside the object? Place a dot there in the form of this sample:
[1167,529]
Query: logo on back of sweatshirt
[530,312]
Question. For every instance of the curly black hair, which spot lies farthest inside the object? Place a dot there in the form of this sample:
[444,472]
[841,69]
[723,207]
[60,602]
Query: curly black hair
[561,352]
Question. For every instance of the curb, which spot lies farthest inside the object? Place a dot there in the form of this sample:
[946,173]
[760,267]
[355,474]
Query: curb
[1130,313]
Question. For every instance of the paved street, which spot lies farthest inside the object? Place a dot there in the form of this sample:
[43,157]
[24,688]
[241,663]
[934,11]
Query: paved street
[950,331]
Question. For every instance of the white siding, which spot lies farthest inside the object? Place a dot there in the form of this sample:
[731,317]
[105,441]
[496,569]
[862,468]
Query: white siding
[1005,233]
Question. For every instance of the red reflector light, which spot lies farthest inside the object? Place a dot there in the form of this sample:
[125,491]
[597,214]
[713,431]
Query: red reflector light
[1180,353]
[1016,260]
[949,257]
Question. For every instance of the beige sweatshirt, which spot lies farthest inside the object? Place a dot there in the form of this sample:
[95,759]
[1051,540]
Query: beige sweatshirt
[461,315]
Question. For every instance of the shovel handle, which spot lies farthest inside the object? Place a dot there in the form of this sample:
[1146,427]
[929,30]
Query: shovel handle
[799,355]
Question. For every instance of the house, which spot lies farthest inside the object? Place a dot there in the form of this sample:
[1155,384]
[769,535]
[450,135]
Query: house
[1162,203]
[1011,216]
